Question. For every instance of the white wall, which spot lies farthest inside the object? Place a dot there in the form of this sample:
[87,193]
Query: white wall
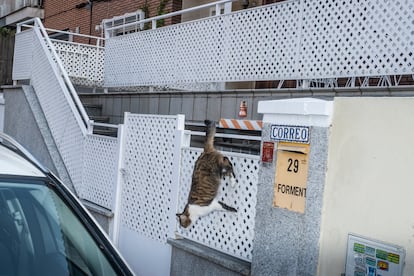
[370,178]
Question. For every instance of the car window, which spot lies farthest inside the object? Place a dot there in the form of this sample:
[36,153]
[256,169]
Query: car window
[40,235]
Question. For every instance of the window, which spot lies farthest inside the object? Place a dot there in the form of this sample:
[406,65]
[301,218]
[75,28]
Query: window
[40,235]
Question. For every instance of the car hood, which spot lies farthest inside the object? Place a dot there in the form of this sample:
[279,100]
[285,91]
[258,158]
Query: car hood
[13,164]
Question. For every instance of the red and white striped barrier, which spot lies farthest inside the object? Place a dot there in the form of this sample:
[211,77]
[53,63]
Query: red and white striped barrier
[241,124]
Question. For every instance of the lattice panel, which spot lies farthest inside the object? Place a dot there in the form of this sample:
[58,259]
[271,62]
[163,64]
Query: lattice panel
[54,99]
[303,39]
[99,170]
[149,167]
[231,233]
[92,161]
[83,63]
[22,59]
[357,38]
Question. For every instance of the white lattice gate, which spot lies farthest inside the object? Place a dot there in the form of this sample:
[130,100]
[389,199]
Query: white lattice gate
[149,190]
[157,167]
[231,233]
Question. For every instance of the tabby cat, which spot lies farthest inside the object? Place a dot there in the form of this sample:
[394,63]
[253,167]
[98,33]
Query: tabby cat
[209,168]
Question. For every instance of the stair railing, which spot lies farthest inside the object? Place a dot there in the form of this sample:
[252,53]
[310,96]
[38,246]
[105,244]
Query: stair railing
[77,107]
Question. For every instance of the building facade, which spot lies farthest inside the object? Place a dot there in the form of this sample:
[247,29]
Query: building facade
[85,17]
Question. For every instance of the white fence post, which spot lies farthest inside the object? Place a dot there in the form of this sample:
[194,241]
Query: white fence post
[115,224]
[180,140]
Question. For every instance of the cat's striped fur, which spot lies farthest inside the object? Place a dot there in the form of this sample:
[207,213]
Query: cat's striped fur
[208,171]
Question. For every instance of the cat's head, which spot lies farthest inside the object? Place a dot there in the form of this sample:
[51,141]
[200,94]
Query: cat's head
[184,218]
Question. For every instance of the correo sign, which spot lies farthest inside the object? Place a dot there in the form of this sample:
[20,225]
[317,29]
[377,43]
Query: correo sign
[298,134]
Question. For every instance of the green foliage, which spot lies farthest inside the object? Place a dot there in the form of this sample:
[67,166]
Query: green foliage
[145,9]
[6,32]
[161,11]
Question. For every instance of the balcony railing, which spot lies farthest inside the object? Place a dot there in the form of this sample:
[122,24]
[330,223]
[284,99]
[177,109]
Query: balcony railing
[315,43]
[368,43]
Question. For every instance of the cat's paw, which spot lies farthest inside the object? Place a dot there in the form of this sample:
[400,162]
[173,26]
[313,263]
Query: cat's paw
[227,207]
[231,209]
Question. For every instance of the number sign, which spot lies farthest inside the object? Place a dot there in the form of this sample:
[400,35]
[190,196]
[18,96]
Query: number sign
[291,176]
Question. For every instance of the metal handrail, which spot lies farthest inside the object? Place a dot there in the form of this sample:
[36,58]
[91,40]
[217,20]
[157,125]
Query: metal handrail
[76,43]
[98,38]
[154,19]
[79,106]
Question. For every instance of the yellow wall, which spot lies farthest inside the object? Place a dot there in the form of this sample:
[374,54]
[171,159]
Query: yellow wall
[370,178]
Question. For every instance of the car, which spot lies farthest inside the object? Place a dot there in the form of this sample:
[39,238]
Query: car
[44,228]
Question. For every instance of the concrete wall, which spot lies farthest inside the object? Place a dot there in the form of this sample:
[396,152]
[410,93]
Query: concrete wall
[197,106]
[287,242]
[369,188]
[24,121]
[190,258]
[20,123]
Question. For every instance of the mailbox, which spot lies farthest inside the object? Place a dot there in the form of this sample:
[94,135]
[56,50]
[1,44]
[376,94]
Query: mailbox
[291,176]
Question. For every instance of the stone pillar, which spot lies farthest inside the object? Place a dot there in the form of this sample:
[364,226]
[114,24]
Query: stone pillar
[286,240]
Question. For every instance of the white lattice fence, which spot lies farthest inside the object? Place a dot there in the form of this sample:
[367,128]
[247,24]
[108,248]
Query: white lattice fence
[231,233]
[150,163]
[54,98]
[99,170]
[303,39]
[22,59]
[357,38]
[83,63]
[91,161]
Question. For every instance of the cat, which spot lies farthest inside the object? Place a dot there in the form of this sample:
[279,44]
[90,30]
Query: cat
[209,168]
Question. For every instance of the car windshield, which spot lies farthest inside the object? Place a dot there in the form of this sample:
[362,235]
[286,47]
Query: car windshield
[40,235]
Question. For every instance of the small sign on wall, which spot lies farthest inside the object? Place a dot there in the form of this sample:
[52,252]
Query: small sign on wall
[291,176]
[371,257]
[297,134]
[267,152]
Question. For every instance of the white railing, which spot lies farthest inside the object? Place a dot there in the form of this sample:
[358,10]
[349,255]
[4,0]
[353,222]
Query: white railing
[138,25]
[76,105]
[291,40]
[83,62]
[91,160]
[110,25]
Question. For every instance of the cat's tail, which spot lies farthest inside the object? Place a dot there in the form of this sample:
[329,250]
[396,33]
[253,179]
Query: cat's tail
[210,132]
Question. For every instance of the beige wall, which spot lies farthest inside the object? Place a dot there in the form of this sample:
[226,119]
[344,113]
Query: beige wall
[370,178]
